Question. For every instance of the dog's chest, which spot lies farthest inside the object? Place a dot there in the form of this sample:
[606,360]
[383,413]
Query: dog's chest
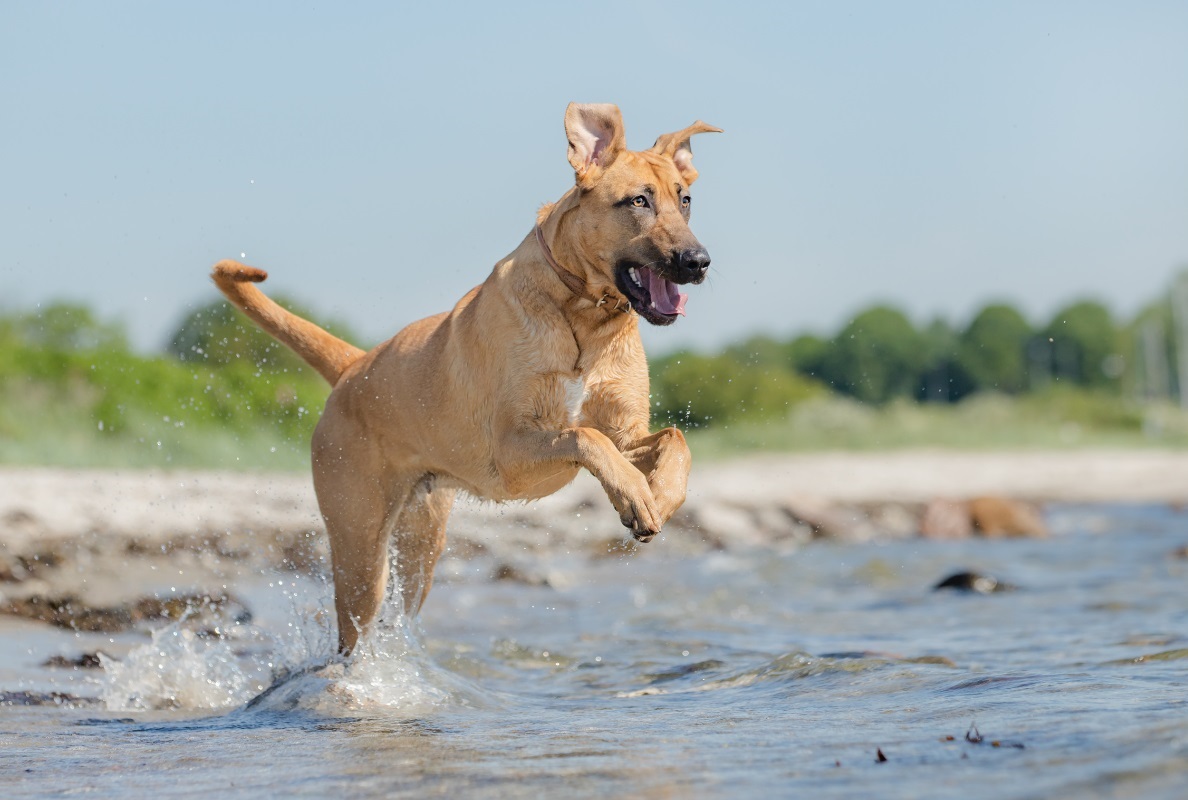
[576,392]
[577,399]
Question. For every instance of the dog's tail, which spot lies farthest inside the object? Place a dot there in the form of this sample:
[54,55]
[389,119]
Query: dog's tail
[326,353]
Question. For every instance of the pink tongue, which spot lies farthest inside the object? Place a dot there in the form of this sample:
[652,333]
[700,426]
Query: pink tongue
[664,294]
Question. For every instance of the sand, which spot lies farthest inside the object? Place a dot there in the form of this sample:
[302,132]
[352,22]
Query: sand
[752,498]
[1127,476]
[98,535]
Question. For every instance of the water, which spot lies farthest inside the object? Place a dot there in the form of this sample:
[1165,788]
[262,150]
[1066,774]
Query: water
[749,673]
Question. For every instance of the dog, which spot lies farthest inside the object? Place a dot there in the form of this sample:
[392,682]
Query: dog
[533,375]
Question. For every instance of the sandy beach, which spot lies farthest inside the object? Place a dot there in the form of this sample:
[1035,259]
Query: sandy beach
[748,501]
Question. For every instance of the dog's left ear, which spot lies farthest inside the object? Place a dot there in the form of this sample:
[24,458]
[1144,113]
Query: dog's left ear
[676,146]
[595,133]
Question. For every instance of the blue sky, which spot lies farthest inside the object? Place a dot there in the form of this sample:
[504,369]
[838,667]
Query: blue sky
[378,158]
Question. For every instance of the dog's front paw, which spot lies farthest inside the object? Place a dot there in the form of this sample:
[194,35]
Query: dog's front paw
[641,530]
[643,521]
[637,509]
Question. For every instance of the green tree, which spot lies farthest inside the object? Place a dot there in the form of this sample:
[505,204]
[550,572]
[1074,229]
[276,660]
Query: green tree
[1151,340]
[697,390]
[943,378]
[1084,343]
[218,334]
[759,351]
[993,349]
[806,354]
[878,356]
[67,327]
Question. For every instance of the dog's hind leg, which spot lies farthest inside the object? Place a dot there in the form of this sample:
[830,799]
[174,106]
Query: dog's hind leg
[420,536]
[359,515]
[360,501]
[362,517]
[665,460]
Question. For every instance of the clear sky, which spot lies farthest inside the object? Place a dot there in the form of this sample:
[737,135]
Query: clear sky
[378,158]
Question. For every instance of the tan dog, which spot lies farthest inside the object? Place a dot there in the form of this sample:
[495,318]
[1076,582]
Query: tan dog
[534,374]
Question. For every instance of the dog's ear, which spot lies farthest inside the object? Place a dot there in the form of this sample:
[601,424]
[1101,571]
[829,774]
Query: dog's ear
[676,146]
[595,133]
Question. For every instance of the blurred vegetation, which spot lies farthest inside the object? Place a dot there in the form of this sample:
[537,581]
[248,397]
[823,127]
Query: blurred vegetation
[1081,378]
[223,394]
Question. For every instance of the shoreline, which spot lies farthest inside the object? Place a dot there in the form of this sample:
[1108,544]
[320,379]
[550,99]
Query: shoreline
[81,538]
[1041,476]
[747,500]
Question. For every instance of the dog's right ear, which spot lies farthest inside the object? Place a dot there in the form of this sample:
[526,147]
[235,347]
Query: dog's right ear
[676,146]
[595,133]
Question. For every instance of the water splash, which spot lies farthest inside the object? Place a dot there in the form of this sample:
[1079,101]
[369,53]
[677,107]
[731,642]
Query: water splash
[296,669]
[177,669]
[390,668]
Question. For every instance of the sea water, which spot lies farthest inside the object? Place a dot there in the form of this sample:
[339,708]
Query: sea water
[826,670]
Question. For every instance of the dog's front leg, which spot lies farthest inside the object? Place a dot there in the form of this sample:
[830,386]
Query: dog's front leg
[664,459]
[527,457]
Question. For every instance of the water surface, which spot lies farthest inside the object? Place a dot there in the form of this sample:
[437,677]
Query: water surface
[744,673]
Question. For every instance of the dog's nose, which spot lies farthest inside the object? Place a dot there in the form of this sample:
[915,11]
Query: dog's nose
[694,263]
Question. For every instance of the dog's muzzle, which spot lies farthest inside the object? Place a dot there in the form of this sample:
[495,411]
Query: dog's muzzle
[692,265]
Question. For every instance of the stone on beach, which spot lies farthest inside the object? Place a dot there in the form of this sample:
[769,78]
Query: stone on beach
[996,517]
[946,519]
[991,517]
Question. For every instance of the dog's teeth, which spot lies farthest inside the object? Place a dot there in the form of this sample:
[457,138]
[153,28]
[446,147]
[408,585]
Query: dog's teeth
[634,276]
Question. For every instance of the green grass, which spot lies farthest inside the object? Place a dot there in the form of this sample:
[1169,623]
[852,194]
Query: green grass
[57,424]
[47,433]
[1065,419]
[115,409]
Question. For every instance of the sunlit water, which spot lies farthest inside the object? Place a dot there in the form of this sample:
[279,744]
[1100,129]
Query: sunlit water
[751,673]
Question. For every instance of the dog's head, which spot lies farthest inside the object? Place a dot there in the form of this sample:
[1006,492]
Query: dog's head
[630,221]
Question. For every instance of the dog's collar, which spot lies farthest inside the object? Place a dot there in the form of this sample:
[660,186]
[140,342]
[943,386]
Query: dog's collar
[574,283]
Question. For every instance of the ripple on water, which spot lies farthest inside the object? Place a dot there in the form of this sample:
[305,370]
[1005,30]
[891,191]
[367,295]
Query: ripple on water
[785,670]
[776,679]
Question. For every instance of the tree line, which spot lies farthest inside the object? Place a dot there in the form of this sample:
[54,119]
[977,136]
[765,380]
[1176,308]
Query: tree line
[880,356]
[218,369]
[63,367]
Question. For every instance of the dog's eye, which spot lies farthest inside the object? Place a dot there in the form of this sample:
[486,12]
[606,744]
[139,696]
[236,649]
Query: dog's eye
[639,201]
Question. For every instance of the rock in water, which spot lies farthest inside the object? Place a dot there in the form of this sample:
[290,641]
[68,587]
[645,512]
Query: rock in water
[973,582]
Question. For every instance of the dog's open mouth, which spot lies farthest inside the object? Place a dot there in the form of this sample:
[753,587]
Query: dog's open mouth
[654,297]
